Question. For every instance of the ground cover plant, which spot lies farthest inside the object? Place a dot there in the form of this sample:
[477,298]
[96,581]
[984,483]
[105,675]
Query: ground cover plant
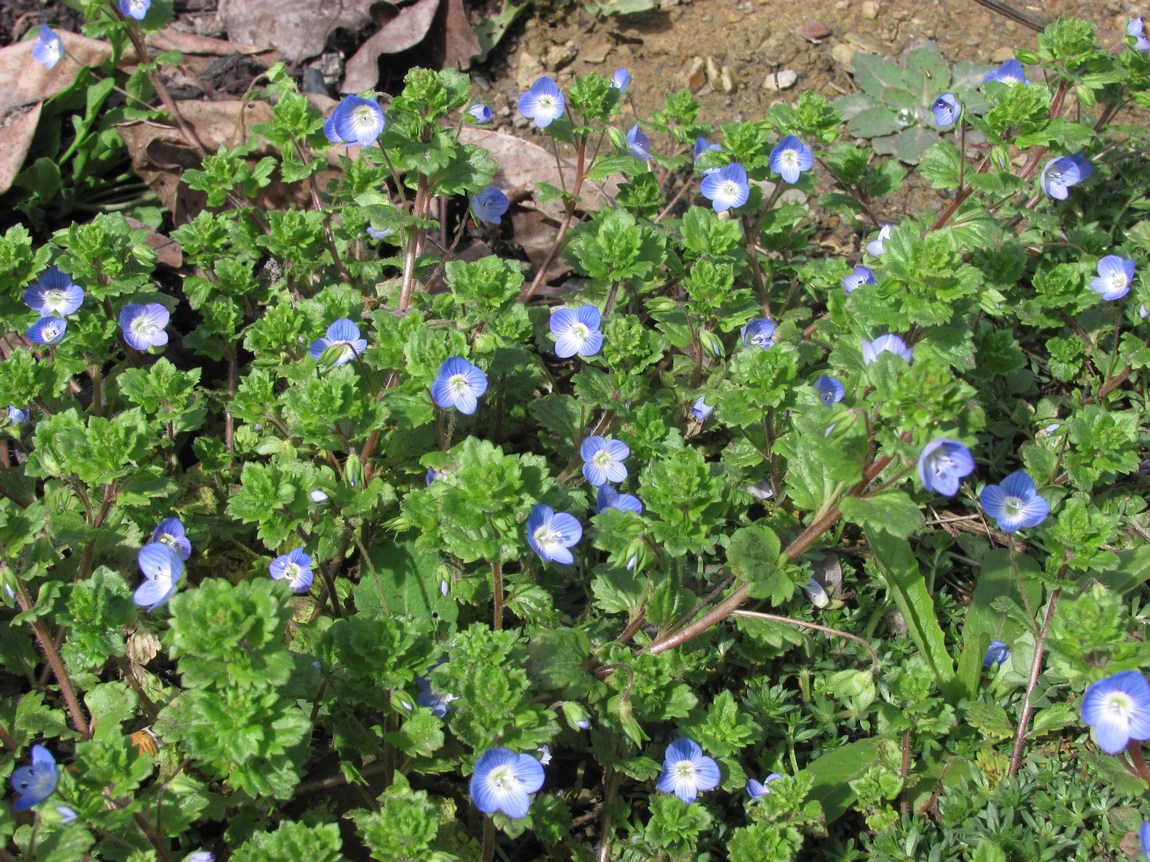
[345,545]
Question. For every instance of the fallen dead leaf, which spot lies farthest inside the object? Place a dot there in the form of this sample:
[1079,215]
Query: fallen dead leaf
[404,31]
[191,43]
[168,251]
[457,40]
[298,28]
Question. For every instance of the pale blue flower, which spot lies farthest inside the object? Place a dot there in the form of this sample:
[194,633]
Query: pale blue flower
[885,344]
[481,114]
[830,390]
[1063,172]
[295,567]
[638,144]
[343,335]
[1115,275]
[171,532]
[686,771]
[1014,503]
[1009,72]
[16,416]
[135,8]
[437,703]
[163,569]
[726,188]
[1135,29]
[1118,708]
[702,145]
[143,326]
[490,205]
[33,784]
[875,246]
[759,333]
[1144,829]
[543,103]
[53,293]
[701,410]
[755,789]
[791,158]
[47,330]
[862,275]
[577,331]
[621,80]
[609,498]
[355,120]
[603,460]
[997,653]
[459,385]
[942,465]
[504,781]
[946,110]
[551,533]
[48,48]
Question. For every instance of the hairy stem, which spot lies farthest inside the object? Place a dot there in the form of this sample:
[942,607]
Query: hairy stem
[1031,683]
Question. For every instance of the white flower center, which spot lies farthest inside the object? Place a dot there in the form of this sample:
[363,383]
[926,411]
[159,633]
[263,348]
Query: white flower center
[1013,506]
[457,383]
[1119,705]
[728,189]
[546,104]
[545,535]
[144,328]
[602,458]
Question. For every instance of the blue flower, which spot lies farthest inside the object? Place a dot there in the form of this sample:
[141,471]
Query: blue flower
[1014,503]
[67,815]
[489,205]
[47,330]
[342,335]
[481,114]
[577,331]
[171,533]
[437,703]
[48,48]
[33,784]
[702,145]
[830,390]
[638,144]
[603,460]
[875,246]
[458,385]
[621,80]
[135,8]
[759,333]
[609,498]
[551,533]
[1009,72]
[53,293]
[862,275]
[997,653]
[942,465]
[726,187]
[755,789]
[201,856]
[686,770]
[430,476]
[885,344]
[1134,28]
[946,110]
[1118,708]
[816,593]
[163,570]
[790,158]
[701,410]
[379,233]
[543,103]
[1144,829]
[1062,173]
[355,120]
[1115,275]
[143,325]
[16,416]
[296,567]
[504,781]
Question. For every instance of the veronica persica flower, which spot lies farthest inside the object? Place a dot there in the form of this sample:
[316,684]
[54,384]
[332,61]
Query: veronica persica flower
[726,188]
[997,653]
[1009,72]
[816,593]
[201,856]
[759,333]
[143,325]
[481,114]
[946,110]
[163,570]
[171,533]
[437,703]
[609,498]
[458,385]
[1014,503]
[621,80]
[343,335]
[830,390]
[378,233]
[53,293]
[33,784]
[1115,275]
[942,465]
[48,48]
[355,120]
[47,330]
[755,788]
[875,246]
[1135,29]
[885,344]
[1062,173]
[701,410]
[702,145]
[295,567]
[504,781]
[577,331]
[16,416]
[1118,708]
[1144,829]
[686,770]
[862,275]
[790,158]
[489,205]
[551,533]
[135,8]
[638,144]
[543,103]
[603,460]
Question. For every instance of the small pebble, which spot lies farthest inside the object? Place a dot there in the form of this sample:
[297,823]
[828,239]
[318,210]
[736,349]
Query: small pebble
[843,54]
[870,10]
[782,80]
[696,75]
[815,31]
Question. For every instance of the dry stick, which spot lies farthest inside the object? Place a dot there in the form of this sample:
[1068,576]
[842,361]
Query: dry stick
[189,134]
[568,216]
[1031,683]
[803,624]
[497,590]
[606,829]
[411,252]
[1012,13]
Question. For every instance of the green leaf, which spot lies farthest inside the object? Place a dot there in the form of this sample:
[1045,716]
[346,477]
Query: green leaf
[940,164]
[753,556]
[833,772]
[319,843]
[892,512]
[990,720]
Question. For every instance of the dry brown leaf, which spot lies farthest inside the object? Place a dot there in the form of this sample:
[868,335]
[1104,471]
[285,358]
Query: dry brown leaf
[298,28]
[404,31]
[26,85]
[458,40]
[168,251]
[190,43]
